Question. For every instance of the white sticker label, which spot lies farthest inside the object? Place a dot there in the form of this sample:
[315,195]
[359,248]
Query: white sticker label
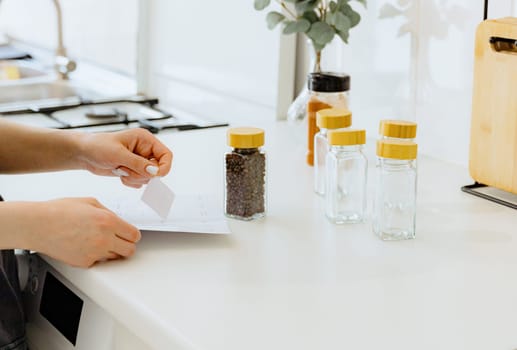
[159,197]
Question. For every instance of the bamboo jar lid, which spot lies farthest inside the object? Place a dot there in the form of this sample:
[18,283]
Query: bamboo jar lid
[245,137]
[334,118]
[403,150]
[398,129]
[348,137]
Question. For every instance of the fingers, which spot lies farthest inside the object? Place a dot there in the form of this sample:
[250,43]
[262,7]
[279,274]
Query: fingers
[123,242]
[133,179]
[93,202]
[123,248]
[137,150]
[114,224]
[120,172]
[136,164]
[165,164]
[113,256]
[111,223]
[130,234]
[158,151]
[81,231]
[147,151]
[135,182]
[164,157]
[132,175]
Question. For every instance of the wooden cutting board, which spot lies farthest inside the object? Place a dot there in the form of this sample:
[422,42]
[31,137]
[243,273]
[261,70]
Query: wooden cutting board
[493,138]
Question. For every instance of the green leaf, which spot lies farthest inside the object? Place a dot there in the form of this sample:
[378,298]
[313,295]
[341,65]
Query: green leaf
[299,26]
[344,35]
[354,18]
[321,33]
[352,15]
[342,3]
[273,18]
[333,6]
[342,22]
[305,5]
[311,16]
[261,4]
[363,2]
[330,19]
[317,47]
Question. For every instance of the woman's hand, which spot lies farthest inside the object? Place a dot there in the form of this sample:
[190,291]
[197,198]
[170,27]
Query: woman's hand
[135,155]
[78,231]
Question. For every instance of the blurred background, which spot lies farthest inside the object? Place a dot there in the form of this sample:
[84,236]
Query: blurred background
[408,59]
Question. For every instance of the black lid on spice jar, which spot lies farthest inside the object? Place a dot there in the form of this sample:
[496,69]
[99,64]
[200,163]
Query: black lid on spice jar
[328,82]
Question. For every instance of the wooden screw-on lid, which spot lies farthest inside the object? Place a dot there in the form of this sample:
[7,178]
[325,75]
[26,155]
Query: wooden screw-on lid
[404,150]
[245,137]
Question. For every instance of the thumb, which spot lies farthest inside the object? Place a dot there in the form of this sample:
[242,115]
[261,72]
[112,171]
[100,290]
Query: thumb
[140,165]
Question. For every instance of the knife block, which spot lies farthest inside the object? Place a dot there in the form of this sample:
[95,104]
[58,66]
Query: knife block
[493,137]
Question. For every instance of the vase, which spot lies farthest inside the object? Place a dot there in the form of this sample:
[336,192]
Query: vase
[297,110]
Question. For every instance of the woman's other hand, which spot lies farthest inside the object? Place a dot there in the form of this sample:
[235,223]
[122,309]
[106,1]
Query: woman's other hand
[79,232]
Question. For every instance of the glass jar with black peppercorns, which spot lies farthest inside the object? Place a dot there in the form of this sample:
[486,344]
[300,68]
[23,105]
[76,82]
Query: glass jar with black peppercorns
[245,174]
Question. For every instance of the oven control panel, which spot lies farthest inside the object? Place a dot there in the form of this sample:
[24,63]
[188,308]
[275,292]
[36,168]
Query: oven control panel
[61,317]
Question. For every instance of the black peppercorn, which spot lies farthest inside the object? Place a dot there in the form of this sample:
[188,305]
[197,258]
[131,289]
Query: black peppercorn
[245,169]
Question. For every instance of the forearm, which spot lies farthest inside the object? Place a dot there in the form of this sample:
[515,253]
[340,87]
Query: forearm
[19,222]
[27,149]
[77,231]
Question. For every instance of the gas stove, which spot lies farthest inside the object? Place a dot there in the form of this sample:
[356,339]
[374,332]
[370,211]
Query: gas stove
[110,115]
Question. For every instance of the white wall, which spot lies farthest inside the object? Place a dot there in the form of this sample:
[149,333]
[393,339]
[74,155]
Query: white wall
[100,31]
[215,59]
[425,74]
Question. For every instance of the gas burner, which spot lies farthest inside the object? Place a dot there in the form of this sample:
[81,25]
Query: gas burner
[109,115]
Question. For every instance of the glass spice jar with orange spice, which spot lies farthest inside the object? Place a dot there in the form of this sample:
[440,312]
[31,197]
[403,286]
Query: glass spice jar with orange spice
[327,90]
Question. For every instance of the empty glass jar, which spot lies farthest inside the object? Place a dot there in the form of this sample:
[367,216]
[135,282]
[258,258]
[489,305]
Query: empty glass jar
[394,209]
[326,119]
[346,176]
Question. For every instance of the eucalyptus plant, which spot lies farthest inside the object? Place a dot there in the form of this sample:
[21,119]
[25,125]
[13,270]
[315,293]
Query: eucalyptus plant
[320,20]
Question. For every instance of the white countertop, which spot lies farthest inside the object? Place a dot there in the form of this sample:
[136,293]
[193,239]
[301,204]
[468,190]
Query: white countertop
[295,281]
